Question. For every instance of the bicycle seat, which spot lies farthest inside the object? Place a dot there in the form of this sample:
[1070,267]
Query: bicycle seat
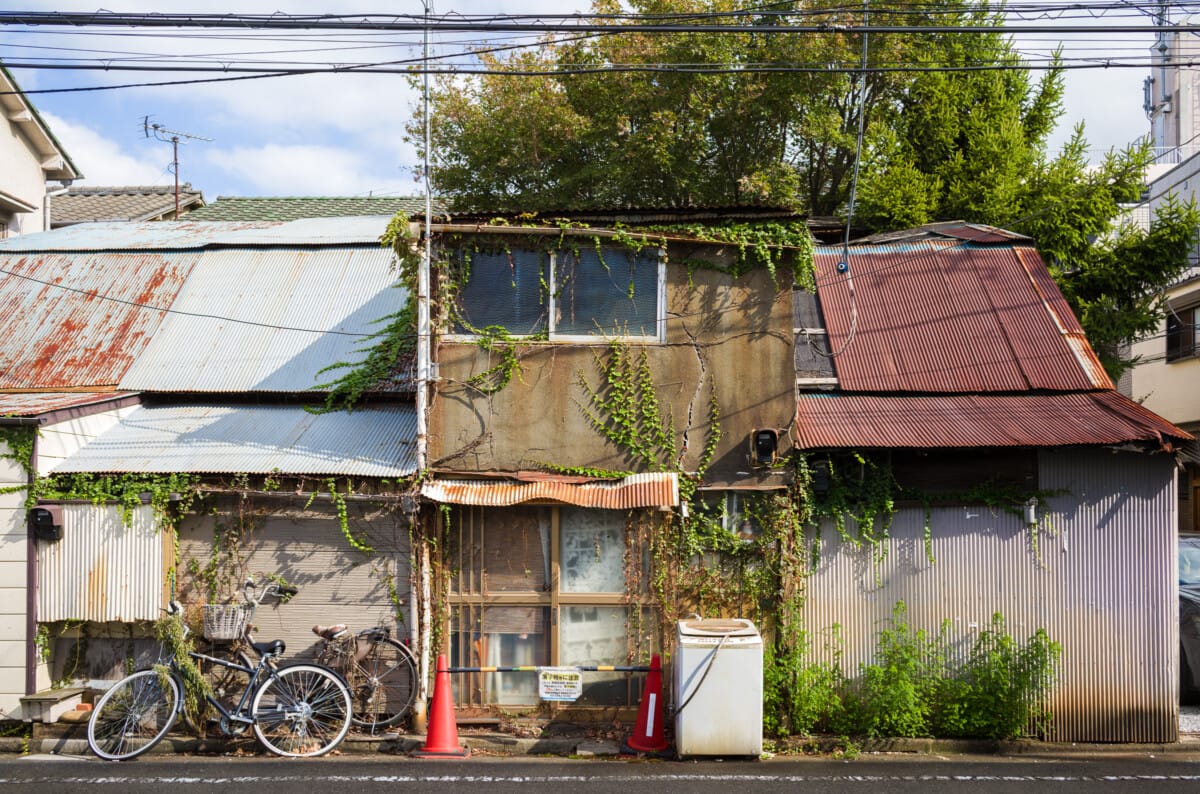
[330,632]
[274,648]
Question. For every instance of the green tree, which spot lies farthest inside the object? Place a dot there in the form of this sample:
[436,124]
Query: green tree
[962,138]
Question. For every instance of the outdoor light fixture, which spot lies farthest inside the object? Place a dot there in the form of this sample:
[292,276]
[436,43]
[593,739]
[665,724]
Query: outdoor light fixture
[763,446]
[46,522]
[1031,505]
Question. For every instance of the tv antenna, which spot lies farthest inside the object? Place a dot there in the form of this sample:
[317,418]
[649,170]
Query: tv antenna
[174,137]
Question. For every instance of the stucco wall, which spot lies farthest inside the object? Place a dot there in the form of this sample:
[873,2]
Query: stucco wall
[22,177]
[734,333]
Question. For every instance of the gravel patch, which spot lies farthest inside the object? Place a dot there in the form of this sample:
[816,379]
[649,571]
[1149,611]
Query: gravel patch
[1189,719]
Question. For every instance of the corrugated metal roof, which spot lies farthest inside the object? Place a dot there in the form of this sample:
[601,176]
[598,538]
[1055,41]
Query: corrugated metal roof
[255,439]
[636,490]
[80,320]
[45,402]
[948,316]
[118,236]
[291,312]
[188,233]
[289,208]
[1024,420]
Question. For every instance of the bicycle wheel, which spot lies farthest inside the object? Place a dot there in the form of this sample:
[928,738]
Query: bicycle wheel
[383,684]
[301,710]
[134,715]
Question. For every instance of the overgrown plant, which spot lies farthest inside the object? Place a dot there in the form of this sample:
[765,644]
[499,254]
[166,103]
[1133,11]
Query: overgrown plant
[916,686]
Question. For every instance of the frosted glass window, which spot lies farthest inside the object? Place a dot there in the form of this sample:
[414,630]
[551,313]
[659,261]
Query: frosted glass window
[593,636]
[592,551]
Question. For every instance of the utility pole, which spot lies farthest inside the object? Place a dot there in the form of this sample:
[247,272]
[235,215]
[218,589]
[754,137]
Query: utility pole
[173,137]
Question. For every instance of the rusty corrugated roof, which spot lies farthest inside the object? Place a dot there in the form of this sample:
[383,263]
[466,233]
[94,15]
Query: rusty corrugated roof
[944,314]
[81,320]
[636,490]
[38,403]
[1022,420]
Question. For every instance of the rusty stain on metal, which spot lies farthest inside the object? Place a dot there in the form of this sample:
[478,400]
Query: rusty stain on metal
[636,490]
[1025,420]
[939,315]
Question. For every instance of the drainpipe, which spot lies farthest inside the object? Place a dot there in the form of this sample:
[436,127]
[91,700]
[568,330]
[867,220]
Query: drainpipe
[422,406]
[66,185]
[31,573]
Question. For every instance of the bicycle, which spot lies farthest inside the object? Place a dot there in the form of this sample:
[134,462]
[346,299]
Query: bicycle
[295,710]
[381,672]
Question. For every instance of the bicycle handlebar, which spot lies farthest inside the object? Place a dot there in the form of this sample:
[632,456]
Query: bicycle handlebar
[255,595]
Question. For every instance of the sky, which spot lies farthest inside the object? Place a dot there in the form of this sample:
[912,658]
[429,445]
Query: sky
[324,135]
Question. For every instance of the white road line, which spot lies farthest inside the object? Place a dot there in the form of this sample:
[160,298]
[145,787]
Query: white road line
[461,779]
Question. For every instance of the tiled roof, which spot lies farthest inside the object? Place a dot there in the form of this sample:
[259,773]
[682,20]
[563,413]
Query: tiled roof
[271,208]
[121,203]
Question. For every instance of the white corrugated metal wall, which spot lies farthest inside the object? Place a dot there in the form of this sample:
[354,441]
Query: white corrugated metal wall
[1103,584]
[102,570]
[306,547]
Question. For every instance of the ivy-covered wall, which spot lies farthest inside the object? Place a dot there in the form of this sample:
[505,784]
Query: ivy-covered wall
[727,357]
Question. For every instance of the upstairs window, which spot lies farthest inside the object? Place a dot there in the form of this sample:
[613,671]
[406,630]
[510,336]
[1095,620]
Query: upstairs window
[563,294]
[1181,333]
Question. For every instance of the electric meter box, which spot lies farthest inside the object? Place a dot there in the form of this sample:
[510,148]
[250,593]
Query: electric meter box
[718,688]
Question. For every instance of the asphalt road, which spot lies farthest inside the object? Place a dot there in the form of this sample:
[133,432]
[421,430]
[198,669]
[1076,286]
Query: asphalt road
[866,775]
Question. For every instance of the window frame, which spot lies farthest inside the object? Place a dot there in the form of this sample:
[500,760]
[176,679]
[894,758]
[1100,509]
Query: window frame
[551,304]
[460,600]
[1181,320]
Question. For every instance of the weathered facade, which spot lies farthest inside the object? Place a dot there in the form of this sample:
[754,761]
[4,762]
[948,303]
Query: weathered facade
[968,375]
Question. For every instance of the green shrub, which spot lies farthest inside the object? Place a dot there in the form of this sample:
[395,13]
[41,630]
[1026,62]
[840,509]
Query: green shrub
[914,686]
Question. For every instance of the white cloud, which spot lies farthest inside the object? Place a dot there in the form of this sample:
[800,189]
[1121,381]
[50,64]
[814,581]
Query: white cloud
[103,162]
[307,170]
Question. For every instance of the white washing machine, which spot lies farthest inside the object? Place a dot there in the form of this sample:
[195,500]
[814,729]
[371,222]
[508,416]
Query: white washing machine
[718,687]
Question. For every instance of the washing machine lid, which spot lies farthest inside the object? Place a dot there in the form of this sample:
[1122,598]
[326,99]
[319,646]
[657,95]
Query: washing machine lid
[717,627]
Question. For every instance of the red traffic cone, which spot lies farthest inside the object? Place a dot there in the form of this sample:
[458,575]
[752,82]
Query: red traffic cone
[647,734]
[441,741]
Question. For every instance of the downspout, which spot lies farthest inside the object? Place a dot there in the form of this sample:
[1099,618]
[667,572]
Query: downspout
[46,217]
[31,575]
[423,629]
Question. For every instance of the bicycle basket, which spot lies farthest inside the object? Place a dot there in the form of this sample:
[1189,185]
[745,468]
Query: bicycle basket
[224,621]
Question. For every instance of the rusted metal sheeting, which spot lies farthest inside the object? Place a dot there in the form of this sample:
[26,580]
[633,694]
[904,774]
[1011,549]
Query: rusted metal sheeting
[46,402]
[636,490]
[291,313]
[945,317]
[1099,577]
[1027,420]
[120,236]
[257,439]
[80,320]
[102,570]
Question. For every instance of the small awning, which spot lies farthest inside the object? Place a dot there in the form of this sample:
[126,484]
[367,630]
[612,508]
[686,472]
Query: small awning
[659,490]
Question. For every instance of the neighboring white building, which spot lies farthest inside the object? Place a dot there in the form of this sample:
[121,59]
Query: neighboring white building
[1167,377]
[32,157]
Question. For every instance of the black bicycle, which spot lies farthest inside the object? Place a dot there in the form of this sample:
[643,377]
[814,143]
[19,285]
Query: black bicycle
[381,672]
[295,710]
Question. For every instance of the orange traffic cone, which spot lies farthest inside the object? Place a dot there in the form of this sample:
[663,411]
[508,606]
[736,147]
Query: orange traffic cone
[442,739]
[647,734]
